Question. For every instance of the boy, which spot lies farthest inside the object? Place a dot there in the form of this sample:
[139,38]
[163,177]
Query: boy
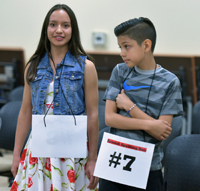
[141,98]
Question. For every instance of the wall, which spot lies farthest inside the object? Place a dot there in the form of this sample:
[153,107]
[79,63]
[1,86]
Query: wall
[177,22]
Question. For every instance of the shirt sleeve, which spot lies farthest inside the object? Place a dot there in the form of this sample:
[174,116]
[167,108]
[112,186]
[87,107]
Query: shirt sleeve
[114,85]
[173,100]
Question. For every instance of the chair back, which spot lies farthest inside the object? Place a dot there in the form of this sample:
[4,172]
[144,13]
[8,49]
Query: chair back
[16,94]
[196,118]
[101,132]
[101,110]
[182,164]
[176,126]
[9,116]
[101,94]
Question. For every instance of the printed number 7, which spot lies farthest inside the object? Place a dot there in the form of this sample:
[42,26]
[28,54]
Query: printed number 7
[127,167]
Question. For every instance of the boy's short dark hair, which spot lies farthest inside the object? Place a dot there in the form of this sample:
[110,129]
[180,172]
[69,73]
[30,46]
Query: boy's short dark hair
[138,29]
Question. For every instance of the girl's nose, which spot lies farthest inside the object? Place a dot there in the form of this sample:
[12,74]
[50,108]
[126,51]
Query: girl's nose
[59,29]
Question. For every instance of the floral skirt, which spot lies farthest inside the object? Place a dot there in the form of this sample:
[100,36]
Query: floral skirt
[50,174]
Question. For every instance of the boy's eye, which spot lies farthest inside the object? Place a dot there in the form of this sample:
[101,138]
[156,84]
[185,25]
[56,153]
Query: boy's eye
[126,46]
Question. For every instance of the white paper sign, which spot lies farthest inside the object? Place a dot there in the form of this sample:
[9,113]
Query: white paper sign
[123,160]
[60,138]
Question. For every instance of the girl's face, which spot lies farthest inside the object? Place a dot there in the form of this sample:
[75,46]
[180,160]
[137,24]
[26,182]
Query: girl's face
[59,29]
[132,53]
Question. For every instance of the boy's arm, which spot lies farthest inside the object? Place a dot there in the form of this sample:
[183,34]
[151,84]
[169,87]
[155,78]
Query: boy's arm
[159,129]
[123,102]
[167,118]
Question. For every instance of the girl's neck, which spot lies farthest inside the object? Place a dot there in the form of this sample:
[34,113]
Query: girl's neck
[58,55]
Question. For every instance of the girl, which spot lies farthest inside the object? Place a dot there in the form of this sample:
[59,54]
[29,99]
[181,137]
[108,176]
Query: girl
[60,67]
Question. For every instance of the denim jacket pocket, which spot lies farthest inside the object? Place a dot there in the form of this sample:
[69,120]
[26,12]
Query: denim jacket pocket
[73,80]
[35,84]
[72,83]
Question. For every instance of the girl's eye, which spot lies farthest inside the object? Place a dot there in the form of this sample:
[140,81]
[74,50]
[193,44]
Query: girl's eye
[66,26]
[126,46]
[52,24]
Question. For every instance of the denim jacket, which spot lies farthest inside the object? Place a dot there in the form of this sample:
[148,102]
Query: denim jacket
[68,86]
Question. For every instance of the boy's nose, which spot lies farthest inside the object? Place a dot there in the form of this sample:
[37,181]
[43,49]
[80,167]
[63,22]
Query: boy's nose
[122,54]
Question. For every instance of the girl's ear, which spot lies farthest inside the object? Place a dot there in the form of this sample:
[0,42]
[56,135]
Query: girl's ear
[147,45]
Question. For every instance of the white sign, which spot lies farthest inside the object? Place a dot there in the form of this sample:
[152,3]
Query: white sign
[123,160]
[60,138]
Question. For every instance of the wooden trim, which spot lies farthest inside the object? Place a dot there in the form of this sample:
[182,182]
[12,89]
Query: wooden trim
[155,54]
[194,80]
[15,49]
[12,49]
[102,52]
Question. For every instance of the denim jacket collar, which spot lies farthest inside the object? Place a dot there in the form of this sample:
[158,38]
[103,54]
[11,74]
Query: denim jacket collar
[69,60]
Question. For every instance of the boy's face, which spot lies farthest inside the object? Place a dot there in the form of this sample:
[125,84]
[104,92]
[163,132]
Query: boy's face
[132,53]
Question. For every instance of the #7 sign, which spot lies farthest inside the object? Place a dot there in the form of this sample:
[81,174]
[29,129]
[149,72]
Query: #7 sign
[124,160]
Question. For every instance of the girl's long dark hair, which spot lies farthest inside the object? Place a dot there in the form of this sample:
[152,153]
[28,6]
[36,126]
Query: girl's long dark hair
[74,45]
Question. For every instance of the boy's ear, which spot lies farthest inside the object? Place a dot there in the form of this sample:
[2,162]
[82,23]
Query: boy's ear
[147,45]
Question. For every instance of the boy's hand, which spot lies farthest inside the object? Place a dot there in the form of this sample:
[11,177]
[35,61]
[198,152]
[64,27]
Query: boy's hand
[123,101]
[159,129]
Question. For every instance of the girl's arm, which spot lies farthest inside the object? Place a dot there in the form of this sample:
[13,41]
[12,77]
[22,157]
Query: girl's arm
[91,100]
[23,125]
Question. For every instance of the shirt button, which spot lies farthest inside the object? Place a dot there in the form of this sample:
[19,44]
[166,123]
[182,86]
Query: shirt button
[56,104]
[57,77]
[56,90]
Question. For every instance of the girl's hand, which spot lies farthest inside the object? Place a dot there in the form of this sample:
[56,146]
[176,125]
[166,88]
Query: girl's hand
[15,165]
[159,129]
[123,101]
[89,172]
